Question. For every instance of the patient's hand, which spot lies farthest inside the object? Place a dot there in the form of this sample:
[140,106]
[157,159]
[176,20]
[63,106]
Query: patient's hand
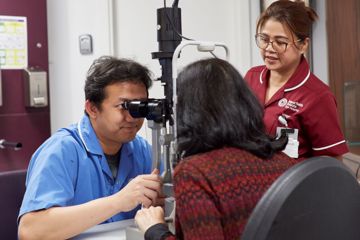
[147,217]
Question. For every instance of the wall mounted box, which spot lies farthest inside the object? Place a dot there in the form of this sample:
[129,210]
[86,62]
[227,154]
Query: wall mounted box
[85,44]
[35,88]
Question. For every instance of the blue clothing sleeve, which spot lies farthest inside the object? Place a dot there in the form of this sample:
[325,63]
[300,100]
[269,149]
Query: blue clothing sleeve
[69,169]
[51,175]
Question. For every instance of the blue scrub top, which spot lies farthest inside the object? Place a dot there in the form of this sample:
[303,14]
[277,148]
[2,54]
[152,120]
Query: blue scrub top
[70,169]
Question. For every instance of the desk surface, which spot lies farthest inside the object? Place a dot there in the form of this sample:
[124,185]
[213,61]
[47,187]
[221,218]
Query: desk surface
[108,231]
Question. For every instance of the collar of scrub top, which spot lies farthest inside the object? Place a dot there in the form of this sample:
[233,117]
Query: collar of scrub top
[92,145]
[299,77]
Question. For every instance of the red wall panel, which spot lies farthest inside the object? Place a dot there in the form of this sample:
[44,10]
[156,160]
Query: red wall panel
[30,126]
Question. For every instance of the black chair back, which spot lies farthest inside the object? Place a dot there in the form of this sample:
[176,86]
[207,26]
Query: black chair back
[12,189]
[317,199]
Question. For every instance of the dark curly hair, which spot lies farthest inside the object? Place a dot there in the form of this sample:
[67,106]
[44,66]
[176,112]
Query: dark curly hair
[107,70]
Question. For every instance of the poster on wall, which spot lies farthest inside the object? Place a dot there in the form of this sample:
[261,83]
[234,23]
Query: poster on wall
[13,42]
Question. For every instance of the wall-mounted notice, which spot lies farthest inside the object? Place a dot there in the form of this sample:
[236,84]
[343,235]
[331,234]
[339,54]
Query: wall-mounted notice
[13,42]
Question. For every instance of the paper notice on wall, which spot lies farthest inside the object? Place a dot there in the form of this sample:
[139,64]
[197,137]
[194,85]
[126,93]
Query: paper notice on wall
[13,42]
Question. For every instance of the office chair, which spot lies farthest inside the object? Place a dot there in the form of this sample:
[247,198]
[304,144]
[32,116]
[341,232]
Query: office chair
[12,189]
[317,199]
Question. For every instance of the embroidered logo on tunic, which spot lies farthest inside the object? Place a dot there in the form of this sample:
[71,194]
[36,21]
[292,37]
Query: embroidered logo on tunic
[282,102]
[289,104]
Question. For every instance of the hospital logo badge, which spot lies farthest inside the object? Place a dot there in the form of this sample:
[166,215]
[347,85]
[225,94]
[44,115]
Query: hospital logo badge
[282,102]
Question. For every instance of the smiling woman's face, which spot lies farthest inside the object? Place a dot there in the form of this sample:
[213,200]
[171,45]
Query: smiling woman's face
[281,61]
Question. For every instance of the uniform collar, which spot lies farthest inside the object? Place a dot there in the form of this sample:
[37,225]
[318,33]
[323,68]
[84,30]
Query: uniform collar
[299,77]
[90,140]
[92,145]
[88,136]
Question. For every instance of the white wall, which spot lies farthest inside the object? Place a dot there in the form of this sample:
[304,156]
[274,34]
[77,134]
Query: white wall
[255,53]
[67,19]
[211,20]
[131,27]
[319,42]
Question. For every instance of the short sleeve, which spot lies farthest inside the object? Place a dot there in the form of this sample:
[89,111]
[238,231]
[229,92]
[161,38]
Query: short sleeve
[322,125]
[51,176]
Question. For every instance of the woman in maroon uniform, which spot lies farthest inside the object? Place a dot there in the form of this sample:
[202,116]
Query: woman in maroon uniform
[228,159]
[292,96]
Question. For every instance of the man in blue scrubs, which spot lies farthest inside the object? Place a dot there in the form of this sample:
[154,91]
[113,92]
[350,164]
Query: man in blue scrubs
[97,170]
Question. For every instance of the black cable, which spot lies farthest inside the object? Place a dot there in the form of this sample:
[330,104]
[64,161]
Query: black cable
[175,30]
[212,53]
[175,3]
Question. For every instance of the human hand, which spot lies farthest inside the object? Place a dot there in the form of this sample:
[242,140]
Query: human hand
[147,217]
[160,201]
[144,189]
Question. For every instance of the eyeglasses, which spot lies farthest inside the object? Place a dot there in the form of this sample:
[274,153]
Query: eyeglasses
[278,44]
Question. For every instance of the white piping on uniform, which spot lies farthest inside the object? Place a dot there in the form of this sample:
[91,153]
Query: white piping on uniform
[261,81]
[299,85]
[81,136]
[329,146]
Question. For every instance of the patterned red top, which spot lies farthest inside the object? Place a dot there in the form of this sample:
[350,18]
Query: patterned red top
[216,191]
